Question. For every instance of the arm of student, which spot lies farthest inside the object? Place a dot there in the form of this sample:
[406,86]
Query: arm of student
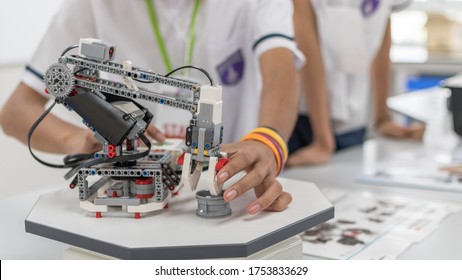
[24,107]
[314,81]
[381,81]
[278,110]
[279,99]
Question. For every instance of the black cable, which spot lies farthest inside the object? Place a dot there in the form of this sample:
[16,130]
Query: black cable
[143,81]
[180,68]
[192,67]
[76,159]
[68,49]
[80,70]
[69,161]
[29,136]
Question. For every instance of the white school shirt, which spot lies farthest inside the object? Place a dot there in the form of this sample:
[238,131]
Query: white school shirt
[351,33]
[230,37]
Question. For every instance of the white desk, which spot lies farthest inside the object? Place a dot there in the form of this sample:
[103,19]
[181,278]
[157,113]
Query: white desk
[444,243]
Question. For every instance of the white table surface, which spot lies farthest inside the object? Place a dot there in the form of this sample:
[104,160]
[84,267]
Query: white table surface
[444,243]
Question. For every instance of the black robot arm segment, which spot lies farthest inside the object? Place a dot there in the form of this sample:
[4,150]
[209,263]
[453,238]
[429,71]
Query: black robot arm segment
[115,121]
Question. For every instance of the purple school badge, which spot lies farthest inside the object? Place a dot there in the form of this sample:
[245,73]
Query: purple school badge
[232,69]
[368,7]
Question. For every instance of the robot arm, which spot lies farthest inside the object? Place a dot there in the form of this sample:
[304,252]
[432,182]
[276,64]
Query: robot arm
[109,108]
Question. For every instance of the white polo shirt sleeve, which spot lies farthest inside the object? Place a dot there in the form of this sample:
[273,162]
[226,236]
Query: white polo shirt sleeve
[73,21]
[274,28]
[399,5]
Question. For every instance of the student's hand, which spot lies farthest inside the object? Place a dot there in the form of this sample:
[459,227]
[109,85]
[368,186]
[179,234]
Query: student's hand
[315,153]
[154,133]
[260,164]
[392,129]
[82,141]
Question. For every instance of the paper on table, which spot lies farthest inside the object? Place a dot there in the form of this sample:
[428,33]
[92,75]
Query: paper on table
[371,226]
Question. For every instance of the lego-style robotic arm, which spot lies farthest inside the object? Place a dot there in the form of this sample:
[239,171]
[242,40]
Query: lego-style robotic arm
[109,108]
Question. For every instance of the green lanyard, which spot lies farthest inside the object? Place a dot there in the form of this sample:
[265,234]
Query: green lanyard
[160,40]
